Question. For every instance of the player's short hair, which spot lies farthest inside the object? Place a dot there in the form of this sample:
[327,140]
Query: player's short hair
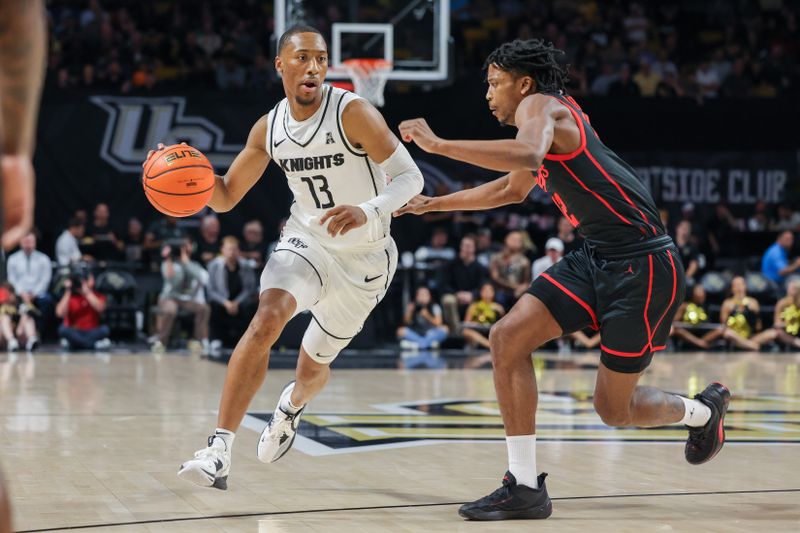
[294,30]
[534,58]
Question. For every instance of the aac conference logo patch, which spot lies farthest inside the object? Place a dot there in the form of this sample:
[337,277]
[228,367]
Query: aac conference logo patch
[560,417]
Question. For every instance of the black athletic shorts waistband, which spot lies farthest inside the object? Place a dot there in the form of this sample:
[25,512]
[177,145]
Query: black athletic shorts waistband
[629,250]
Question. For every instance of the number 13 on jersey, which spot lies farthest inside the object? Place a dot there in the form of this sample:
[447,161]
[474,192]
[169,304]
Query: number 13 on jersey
[322,182]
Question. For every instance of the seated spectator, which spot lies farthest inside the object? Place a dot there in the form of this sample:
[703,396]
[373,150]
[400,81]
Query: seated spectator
[161,231]
[208,245]
[183,280]
[486,247]
[707,80]
[624,87]
[510,270]
[80,308]
[553,253]
[691,321]
[101,242]
[480,317]
[775,263]
[9,314]
[722,229]
[422,327]
[459,281]
[68,251]
[787,220]
[786,325]
[253,248]
[231,293]
[133,242]
[739,317]
[29,272]
[759,220]
[437,253]
[646,79]
[689,254]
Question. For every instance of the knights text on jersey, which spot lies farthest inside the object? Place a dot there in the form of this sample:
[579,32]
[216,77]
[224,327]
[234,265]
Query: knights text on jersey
[597,191]
[324,170]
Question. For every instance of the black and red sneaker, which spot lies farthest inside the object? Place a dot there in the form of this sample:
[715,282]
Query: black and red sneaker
[511,501]
[705,442]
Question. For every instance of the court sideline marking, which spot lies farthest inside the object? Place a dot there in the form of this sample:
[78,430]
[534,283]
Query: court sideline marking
[405,506]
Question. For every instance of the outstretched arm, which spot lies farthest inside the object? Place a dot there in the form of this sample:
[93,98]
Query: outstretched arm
[535,117]
[512,188]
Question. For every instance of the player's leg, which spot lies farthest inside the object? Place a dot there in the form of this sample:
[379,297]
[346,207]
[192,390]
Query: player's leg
[559,301]
[691,338]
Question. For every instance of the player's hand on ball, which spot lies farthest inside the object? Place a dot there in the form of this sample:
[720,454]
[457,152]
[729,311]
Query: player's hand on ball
[343,218]
[417,130]
[418,205]
[159,147]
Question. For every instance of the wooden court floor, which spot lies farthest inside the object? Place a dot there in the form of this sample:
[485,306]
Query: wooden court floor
[93,443]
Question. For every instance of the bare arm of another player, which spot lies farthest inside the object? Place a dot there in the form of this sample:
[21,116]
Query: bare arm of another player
[245,171]
[22,52]
[535,117]
[366,128]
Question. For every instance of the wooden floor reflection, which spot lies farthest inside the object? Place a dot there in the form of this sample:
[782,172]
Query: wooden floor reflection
[95,440]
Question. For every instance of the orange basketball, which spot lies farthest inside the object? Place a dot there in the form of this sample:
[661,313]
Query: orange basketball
[178,180]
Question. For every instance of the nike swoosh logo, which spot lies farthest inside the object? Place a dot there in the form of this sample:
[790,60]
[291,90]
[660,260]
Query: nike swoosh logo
[278,143]
[323,356]
[368,279]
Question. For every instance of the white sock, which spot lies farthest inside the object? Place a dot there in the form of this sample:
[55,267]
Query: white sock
[522,459]
[288,407]
[226,436]
[697,413]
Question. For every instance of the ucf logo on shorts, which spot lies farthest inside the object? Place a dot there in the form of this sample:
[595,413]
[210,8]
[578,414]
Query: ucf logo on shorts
[297,243]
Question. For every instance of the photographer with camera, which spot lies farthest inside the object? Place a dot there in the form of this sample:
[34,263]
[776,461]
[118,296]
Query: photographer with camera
[184,280]
[80,307]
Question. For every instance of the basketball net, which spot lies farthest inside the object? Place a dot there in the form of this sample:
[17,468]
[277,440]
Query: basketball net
[369,77]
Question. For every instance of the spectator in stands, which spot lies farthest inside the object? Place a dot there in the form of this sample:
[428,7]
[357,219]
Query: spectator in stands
[775,263]
[567,235]
[739,317]
[707,80]
[422,328]
[759,220]
[133,241]
[646,79]
[722,228]
[208,245]
[624,87]
[480,317]
[161,231]
[553,253]
[603,82]
[437,253]
[29,272]
[737,83]
[183,280]
[104,245]
[230,74]
[689,253]
[786,325]
[486,247]
[80,308]
[787,220]
[691,320]
[9,314]
[669,87]
[68,251]
[459,281]
[254,249]
[231,293]
[510,270]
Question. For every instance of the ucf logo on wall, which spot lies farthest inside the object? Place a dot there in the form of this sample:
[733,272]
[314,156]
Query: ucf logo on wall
[560,417]
[137,124]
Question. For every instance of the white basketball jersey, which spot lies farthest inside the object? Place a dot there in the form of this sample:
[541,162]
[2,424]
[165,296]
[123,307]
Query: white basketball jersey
[325,171]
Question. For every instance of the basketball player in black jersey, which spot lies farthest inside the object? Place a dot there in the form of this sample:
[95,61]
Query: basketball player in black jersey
[627,281]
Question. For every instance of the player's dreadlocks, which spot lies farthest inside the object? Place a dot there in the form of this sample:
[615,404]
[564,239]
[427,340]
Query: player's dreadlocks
[533,58]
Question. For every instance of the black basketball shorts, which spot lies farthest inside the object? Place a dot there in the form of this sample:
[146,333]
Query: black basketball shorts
[631,301]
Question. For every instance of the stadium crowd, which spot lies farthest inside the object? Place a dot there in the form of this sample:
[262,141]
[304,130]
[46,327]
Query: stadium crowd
[623,48]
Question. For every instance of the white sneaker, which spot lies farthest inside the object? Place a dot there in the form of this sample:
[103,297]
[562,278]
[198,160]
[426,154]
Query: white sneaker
[278,437]
[102,344]
[409,345]
[32,344]
[13,345]
[210,466]
[157,347]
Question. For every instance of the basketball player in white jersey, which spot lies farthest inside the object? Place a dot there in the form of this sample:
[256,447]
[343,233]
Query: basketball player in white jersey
[335,256]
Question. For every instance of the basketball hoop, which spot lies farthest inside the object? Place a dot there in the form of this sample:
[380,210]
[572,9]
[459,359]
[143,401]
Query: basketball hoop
[369,77]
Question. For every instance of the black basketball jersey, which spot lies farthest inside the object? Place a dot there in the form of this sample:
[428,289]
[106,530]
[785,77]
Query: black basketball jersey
[597,191]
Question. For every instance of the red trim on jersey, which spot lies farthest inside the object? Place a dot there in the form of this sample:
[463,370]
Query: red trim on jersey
[572,295]
[615,184]
[624,354]
[672,299]
[600,198]
[581,148]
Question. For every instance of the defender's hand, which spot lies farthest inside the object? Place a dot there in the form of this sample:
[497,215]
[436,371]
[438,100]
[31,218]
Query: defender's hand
[343,218]
[417,130]
[418,205]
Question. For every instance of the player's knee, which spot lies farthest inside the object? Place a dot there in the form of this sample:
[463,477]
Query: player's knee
[612,416]
[269,321]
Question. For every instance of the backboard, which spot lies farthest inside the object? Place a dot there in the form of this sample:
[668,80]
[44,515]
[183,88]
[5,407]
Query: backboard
[413,35]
